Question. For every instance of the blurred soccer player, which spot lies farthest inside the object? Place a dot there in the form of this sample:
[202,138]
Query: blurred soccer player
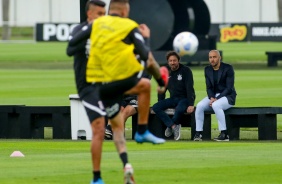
[129,107]
[87,92]
[113,66]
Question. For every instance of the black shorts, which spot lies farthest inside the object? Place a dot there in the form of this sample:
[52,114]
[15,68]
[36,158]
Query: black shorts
[92,103]
[112,94]
[130,100]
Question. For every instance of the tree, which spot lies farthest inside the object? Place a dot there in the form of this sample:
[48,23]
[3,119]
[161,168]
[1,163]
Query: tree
[6,31]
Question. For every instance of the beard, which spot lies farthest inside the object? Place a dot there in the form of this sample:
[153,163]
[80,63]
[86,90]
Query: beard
[214,64]
[174,67]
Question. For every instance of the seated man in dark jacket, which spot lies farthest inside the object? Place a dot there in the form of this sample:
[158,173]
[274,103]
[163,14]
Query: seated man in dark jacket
[182,95]
[221,95]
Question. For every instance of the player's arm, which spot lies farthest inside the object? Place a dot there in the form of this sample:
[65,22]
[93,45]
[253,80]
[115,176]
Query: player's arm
[80,36]
[142,49]
[146,75]
[161,96]
[154,68]
[71,50]
[140,43]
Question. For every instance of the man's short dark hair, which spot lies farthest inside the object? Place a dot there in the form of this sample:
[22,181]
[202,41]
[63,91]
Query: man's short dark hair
[94,2]
[172,53]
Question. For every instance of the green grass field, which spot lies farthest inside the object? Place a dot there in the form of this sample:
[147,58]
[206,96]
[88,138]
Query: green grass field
[32,73]
[54,52]
[60,162]
[41,74]
[52,87]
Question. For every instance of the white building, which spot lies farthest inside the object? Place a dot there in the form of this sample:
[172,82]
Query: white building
[29,12]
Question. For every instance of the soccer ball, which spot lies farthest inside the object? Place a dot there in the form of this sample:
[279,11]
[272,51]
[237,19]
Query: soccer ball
[185,43]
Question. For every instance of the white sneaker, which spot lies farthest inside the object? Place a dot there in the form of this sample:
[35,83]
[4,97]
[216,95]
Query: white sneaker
[128,174]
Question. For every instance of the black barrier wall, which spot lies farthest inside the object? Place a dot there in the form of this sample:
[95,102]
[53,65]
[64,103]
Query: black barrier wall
[167,18]
[28,122]
[266,32]
[228,32]
[231,32]
[82,10]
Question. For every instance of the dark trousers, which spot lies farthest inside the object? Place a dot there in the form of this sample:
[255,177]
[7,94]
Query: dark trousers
[179,104]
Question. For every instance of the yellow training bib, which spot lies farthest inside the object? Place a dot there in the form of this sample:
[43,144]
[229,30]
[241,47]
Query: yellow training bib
[110,58]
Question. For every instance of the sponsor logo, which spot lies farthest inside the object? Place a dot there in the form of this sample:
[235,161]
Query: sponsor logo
[179,77]
[111,111]
[237,32]
[267,31]
[54,32]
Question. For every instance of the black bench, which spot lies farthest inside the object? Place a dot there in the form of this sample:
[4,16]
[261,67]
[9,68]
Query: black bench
[33,119]
[273,57]
[264,118]
[9,124]
[187,120]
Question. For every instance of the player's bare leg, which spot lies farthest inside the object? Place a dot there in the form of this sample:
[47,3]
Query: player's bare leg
[118,132]
[128,111]
[143,90]
[98,128]
[120,143]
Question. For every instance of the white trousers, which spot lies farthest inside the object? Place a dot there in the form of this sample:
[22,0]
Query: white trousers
[218,107]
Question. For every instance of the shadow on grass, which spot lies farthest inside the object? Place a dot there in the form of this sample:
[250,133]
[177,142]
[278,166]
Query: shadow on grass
[245,135]
[249,135]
